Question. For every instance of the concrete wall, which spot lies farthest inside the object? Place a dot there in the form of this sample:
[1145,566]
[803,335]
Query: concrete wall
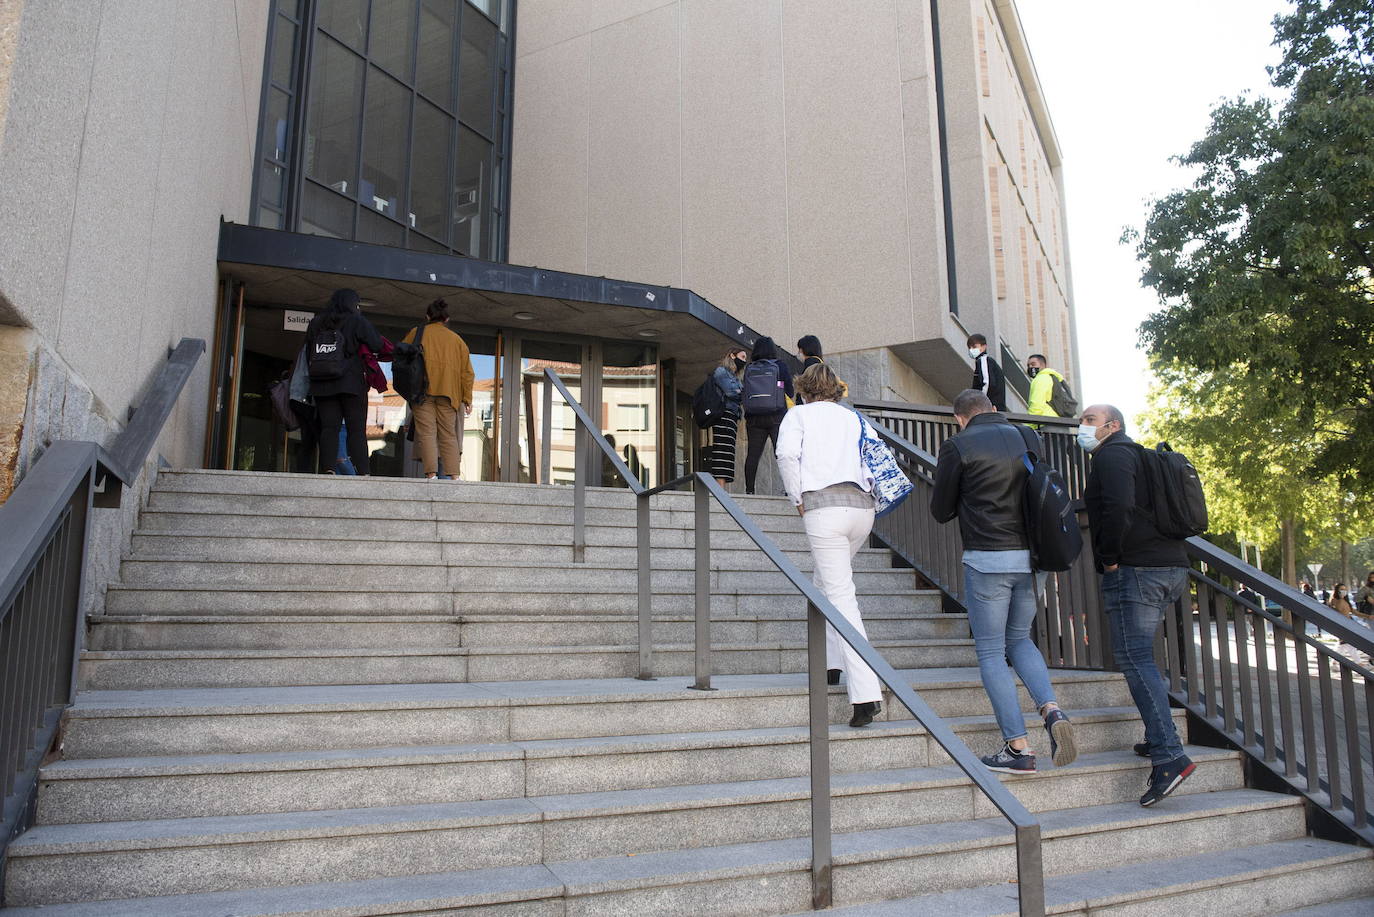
[127,130]
[779,157]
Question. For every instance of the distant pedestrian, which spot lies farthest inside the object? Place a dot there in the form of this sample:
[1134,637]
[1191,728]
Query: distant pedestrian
[824,474]
[725,430]
[1340,601]
[980,478]
[809,346]
[448,397]
[1364,599]
[1050,395]
[1143,574]
[333,341]
[767,391]
[987,375]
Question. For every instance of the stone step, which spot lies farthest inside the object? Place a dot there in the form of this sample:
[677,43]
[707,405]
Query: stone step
[179,785]
[61,863]
[288,599]
[558,577]
[168,632]
[254,549]
[132,670]
[202,721]
[135,789]
[1251,881]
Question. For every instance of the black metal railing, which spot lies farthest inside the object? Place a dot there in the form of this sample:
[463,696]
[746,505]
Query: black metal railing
[43,532]
[1030,871]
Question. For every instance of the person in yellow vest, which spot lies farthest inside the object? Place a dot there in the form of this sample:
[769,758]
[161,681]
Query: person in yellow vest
[448,398]
[1043,380]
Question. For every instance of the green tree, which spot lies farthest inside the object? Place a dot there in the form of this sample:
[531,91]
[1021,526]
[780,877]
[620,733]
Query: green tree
[1263,267]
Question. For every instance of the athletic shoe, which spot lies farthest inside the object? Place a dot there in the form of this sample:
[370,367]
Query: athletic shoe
[1063,749]
[1010,761]
[1165,778]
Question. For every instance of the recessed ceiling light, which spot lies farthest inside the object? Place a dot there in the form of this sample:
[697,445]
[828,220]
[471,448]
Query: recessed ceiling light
[525,316]
[648,333]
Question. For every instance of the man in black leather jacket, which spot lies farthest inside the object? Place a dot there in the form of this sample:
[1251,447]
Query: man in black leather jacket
[1143,573]
[980,478]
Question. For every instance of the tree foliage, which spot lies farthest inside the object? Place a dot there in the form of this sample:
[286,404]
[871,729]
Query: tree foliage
[1265,266]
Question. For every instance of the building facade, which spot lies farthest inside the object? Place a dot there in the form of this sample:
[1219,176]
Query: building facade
[616,192]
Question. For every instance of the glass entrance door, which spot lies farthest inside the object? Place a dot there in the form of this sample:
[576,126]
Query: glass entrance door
[525,447]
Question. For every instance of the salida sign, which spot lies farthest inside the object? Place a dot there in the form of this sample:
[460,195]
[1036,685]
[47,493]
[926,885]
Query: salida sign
[296,321]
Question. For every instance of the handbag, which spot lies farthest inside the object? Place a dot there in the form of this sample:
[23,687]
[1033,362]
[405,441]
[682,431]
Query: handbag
[279,394]
[890,484]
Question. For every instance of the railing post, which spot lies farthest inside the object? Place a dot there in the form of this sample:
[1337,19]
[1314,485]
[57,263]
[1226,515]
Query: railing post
[818,696]
[646,611]
[702,564]
[580,495]
[546,444]
[1030,874]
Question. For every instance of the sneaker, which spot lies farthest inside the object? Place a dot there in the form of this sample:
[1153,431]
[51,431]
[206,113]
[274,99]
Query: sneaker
[1165,778]
[1063,749]
[864,713]
[1142,749]
[1010,761]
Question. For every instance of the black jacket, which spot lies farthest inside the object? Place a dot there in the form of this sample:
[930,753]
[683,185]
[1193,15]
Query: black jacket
[980,478]
[996,382]
[355,330]
[1118,500]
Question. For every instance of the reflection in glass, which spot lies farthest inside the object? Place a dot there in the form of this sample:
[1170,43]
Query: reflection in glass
[434,75]
[345,20]
[392,43]
[430,157]
[324,213]
[470,194]
[629,400]
[482,428]
[379,230]
[386,128]
[331,141]
[283,52]
[278,120]
[566,362]
[477,67]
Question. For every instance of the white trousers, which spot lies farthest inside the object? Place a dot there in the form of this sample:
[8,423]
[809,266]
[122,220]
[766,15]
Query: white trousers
[836,533]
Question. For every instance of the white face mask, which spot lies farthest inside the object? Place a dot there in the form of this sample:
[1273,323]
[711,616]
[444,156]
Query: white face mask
[1087,437]
[975,352]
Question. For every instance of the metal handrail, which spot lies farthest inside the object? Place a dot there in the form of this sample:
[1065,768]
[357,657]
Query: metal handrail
[44,526]
[820,611]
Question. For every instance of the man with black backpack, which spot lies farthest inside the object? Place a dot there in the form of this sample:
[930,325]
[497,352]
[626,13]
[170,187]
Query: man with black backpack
[1050,395]
[981,478]
[1144,571]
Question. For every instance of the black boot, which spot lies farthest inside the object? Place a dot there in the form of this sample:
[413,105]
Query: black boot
[864,713]
[832,676]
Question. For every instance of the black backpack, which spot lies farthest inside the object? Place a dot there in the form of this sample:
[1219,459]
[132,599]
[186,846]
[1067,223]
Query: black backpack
[325,358]
[1062,401]
[1178,506]
[763,389]
[408,375]
[1051,524]
[708,403]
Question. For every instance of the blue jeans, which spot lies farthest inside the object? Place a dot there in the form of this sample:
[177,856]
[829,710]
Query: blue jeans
[1001,608]
[1135,599]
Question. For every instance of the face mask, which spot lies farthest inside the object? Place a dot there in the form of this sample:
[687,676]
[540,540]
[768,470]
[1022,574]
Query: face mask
[739,364]
[1032,370]
[1087,437]
[975,352]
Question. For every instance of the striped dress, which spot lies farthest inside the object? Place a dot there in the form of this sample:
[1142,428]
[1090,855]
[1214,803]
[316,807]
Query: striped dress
[720,461]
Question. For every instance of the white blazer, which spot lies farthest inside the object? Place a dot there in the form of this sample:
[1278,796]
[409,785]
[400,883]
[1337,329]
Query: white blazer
[818,445]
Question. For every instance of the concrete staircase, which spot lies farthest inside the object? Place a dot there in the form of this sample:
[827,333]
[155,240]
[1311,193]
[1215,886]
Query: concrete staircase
[343,696]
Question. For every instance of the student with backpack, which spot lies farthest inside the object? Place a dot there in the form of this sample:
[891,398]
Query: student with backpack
[981,478]
[767,391]
[1144,571]
[337,385]
[441,396]
[716,406]
[1050,395]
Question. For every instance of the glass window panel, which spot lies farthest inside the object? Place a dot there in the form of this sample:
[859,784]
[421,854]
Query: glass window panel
[392,42]
[284,52]
[471,193]
[324,213]
[629,398]
[491,7]
[271,184]
[278,124]
[270,219]
[331,142]
[385,132]
[425,244]
[476,65]
[346,20]
[432,150]
[434,75]
[566,362]
[373,227]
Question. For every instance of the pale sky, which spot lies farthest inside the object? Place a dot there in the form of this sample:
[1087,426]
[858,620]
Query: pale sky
[1129,85]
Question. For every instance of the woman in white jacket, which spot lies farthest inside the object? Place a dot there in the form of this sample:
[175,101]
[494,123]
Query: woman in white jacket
[823,473]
